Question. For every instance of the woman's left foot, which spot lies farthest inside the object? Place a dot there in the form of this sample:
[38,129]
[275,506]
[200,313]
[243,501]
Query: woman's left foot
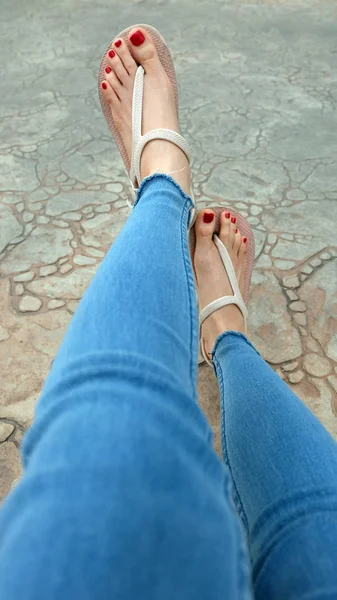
[159,108]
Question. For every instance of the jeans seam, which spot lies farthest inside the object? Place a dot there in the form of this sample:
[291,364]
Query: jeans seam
[190,287]
[237,498]
[243,571]
[186,260]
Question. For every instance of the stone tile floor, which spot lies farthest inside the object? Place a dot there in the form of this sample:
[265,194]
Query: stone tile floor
[258,92]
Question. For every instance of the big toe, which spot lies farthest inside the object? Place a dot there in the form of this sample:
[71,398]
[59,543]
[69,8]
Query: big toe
[143,49]
[204,226]
[204,229]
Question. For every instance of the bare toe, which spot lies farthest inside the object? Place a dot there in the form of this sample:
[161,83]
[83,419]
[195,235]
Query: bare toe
[204,226]
[112,79]
[143,49]
[121,48]
[237,243]
[242,258]
[232,230]
[115,64]
[225,223]
[111,95]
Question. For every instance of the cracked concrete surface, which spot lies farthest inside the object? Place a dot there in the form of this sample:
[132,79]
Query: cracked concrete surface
[258,93]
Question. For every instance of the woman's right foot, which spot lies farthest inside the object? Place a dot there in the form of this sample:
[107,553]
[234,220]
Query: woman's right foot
[159,109]
[211,276]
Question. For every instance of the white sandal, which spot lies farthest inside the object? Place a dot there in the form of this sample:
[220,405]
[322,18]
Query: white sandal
[139,141]
[236,298]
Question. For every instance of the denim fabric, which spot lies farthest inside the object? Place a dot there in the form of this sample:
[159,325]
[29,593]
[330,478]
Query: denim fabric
[122,495]
[283,468]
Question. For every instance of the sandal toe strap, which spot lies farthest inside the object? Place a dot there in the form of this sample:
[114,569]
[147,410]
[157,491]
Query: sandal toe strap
[235,299]
[139,141]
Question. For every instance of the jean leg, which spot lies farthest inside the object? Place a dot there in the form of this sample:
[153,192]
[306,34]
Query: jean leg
[142,299]
[123,496]
[283,465]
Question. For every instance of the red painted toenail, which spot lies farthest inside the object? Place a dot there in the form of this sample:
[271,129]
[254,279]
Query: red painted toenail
[104,85]
[118,43]
[236,230]
[108,70]
[208,217]
[137,38]
[112,53]
[244,240]
[233,219]
[227,215]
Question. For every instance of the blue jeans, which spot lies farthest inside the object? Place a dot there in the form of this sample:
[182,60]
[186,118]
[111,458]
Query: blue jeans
[123,496]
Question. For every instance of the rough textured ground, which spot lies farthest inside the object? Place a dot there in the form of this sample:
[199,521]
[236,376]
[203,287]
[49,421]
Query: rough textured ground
[258,103]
